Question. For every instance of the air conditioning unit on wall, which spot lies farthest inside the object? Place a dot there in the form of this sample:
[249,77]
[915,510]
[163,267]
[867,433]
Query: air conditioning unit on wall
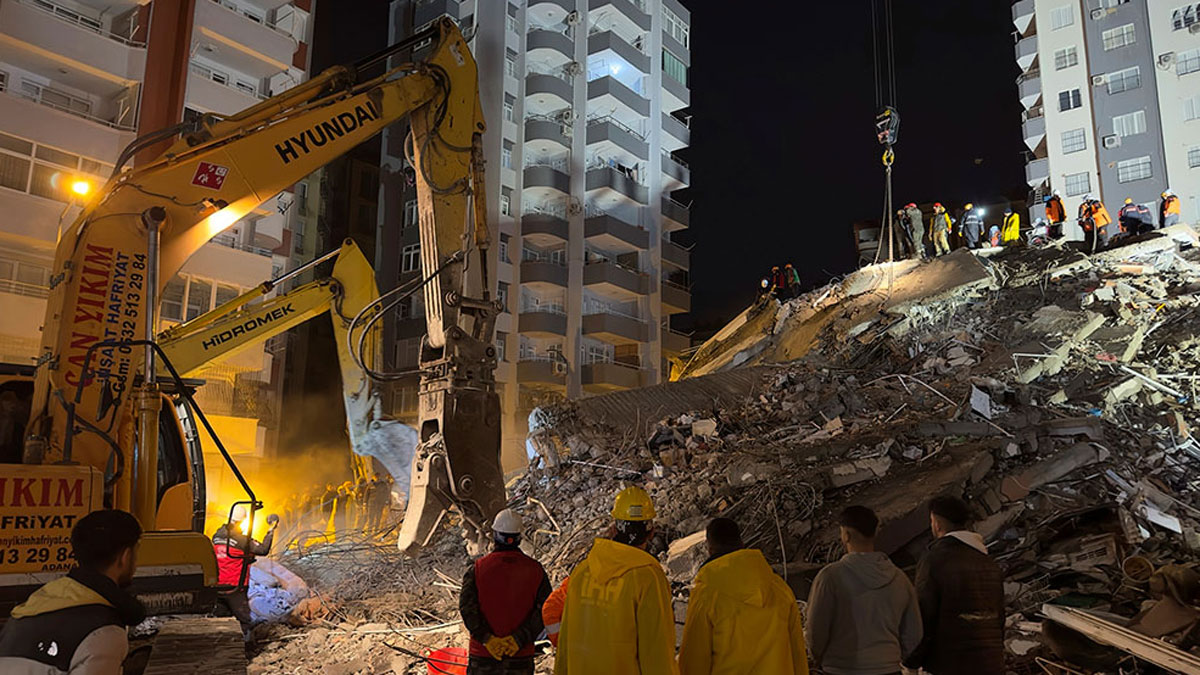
[1098,14]
[1098,80]
[1194,28]
[1112,141]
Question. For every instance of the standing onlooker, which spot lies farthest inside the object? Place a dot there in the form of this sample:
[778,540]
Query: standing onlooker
[501,603]
[77,623]
[741,617]
[1168,211]
[942,225]
[863,616]
[961,591]
[916,231]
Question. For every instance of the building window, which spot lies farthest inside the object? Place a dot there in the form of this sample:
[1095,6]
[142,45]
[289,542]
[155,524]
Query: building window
[509,102]
[225,293]
[302,199]
[676,28]
[1185,16]
[1124,80]
[1194,157]
[502,250]
[1078,184]
[505,201]
[1069,100]
[410,258]
[1191,108]
[501,342]
[199,297]
[502,294]
[1130,125]
[1074,141]
[1130,170]
[506,154]
[172,300]
[410,213]
[1112,3]
[1061,17]
[1121,36]
[510,62]
[674,68]
[1065,58]
[1187,62]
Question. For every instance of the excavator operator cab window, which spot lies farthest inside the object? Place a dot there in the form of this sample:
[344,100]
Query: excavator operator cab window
[172,457]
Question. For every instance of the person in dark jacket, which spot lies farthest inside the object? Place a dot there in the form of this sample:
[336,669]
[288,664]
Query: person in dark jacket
[961,592]
[970,225]
[328,499]
[77,623]
[235,550]
[501,603]
[916,231]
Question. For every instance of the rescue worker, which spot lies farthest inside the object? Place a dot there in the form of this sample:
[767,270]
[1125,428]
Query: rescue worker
[552,611]
[1094,220]
[618,618]
[1010,233]
[942,225]
[741,617]
[341,513]
[903,235]
[916,231]
[234,550]
[1134,218]
[994,236]
[78,623]
[1056,215]
[778,283]
[380,503]
[970,225]
[793,280]
[328,500]
[501,603]
[1168,211]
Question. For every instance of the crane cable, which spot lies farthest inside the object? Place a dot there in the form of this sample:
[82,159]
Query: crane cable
[884,61]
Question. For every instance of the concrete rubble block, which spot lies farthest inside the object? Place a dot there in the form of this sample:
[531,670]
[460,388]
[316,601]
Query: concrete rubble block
[982,467]
[1014,488]
[1122,391]
[857,471]
[686,555]
[706,428]
[1074,427]
[746,473]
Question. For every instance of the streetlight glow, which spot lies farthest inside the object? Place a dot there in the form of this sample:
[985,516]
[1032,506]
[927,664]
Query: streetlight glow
[81,187]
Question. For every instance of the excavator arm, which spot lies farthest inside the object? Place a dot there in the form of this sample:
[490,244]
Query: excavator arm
[113,261]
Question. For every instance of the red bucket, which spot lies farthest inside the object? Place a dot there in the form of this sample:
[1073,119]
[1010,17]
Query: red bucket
[447,661]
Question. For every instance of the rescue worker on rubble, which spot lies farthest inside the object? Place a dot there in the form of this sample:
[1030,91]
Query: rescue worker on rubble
[1135,218]
[501,603]
[863,615]
[741,617]
[793,280]
[970,225]
[1010,233]
[78,623]
[1094,220]
[941,226]
[235,550]
[1056,215]
[618,618]
[903,235]
[328,501]
[779,283]
[916,231]
[961,592]
[552,611]
[1168,210]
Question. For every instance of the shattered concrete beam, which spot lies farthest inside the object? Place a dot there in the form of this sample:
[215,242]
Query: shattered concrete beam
[1055,362]
[1018,487]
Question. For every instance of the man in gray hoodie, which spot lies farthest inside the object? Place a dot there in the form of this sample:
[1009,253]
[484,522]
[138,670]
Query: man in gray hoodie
[863,615]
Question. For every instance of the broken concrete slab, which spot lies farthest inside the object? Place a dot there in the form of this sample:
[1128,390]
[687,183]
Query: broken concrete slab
[1018,487]
[857,471]
[686,555]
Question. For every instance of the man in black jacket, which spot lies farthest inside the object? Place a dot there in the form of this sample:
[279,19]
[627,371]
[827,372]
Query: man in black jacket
[961,592]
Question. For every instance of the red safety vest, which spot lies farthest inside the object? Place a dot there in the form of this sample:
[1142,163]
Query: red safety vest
[507,583]
[229,563]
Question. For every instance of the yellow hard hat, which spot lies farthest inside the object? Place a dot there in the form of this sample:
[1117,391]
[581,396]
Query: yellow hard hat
[633,504]
[1128,200]
[968,206]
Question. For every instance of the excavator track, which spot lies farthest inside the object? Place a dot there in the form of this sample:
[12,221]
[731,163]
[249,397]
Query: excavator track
[197,644]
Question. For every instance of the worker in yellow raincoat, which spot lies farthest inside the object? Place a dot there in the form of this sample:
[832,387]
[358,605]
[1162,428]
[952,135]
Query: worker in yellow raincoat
[741,617]
[1011,232]
[618,619]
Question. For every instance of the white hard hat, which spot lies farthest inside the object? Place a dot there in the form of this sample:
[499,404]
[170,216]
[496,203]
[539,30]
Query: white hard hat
[508,522]
[239,514]
[1057,193]
[1169,192]
[1087,197]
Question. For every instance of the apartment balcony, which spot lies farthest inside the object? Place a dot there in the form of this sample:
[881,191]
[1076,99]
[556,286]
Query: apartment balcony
[1034,131]
[675,298]
[676,47]
[549,90]
[610,138]
[1022,15]
[45,122]
[268,232]
[550,12]
[612,186]
[602,377]
[612,234]
[674,254]
[428,10]
[543,229]
[244,43]
[544,134]
[678,135]
[676,173]
[676,216]
[608,93]
[552,46]
[614,281]
[631,15]
[220,98]
[610,41]
[1037,172]
[615,328]
[550,179]
[543,324]
[542,374]
[1027,51]
[543,275]
[675,342]
[62,36]
[1029,90]
[676,95]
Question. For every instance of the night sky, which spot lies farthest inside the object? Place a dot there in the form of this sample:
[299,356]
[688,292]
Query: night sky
[784,157]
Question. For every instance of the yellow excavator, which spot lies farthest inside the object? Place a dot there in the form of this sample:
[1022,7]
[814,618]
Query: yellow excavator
[112,421]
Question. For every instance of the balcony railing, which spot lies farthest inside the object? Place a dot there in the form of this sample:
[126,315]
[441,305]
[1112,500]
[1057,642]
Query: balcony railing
[230,241]
[263,21]
[226,80]
[22,288]
[74,18]
[609,119]
[37,94]
[667,155]
[552,72]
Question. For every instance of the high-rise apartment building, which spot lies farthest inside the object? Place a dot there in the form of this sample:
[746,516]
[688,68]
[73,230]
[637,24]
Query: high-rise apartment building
[71,94]
[1111,96]
[585,102]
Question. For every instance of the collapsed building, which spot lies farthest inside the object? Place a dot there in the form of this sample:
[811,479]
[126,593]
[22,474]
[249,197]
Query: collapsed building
[1054,391]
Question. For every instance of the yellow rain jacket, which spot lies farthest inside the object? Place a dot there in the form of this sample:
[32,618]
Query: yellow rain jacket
[618,618]
[742,619]
[1012,229]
